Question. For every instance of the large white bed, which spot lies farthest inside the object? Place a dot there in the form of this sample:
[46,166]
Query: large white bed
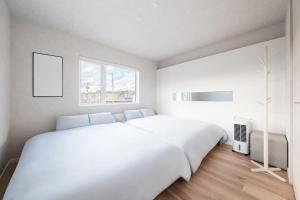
[194,137]
[109,161]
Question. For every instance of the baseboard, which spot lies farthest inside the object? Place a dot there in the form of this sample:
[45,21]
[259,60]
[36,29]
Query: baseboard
[10,161]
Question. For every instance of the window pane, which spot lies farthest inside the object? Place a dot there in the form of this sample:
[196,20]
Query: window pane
[120,85]
[90,83]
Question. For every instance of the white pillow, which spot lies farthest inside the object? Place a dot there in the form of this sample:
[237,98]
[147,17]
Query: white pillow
[68,122]
[147,112]
[133,114]
[102,118]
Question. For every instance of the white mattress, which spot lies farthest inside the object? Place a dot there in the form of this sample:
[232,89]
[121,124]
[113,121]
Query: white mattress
[109,161]
[194,137]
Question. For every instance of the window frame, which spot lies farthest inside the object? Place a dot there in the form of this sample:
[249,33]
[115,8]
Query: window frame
[103,65]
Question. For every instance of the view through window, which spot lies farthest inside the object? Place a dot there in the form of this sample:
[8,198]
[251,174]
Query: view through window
[105,83]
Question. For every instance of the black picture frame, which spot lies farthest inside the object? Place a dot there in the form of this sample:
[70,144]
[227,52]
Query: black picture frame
[33,74]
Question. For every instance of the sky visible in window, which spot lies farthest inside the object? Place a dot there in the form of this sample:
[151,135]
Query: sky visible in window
[117,79]
[120,79]
[90,77]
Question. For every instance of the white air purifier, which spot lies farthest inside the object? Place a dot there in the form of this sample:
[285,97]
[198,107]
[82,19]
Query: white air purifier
[242,130]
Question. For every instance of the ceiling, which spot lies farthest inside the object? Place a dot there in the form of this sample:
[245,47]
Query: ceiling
[153,29]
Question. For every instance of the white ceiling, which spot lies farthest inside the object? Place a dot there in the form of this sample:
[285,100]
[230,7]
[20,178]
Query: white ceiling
[153,29]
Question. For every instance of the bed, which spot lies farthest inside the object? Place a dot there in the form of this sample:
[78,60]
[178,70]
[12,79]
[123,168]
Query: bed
[194,137]
[108,161]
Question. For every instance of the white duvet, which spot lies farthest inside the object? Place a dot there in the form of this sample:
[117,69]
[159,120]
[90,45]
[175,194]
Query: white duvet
[107,162]
[194,137]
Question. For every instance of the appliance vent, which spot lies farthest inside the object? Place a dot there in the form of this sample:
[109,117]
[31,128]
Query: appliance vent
[237,132]
[243,133]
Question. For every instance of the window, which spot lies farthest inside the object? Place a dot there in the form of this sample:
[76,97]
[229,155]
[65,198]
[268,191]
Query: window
[120,85]
[105,83]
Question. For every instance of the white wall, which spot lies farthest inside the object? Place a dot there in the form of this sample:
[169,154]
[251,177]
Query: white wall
[289,93]
[4,79]
[35,115]
[296,96]
[238,71]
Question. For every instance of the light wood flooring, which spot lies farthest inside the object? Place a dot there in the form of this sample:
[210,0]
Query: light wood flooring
[223,174]
[7,174]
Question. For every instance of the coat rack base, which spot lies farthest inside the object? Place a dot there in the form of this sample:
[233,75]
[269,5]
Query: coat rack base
[269,170]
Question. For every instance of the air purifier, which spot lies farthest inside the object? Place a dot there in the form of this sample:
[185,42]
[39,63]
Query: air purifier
[242,129]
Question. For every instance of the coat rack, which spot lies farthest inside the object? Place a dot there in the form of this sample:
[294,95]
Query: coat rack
[267,100]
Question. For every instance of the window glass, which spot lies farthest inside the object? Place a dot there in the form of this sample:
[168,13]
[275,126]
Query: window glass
[120,85]
[104,83]
[90,83]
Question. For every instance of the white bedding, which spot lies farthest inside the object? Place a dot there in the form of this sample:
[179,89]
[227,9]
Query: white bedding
[109,162]
[194,137]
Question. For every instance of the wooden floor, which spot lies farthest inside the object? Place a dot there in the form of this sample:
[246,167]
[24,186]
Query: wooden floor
[5,177]
[223,175]
[226,175]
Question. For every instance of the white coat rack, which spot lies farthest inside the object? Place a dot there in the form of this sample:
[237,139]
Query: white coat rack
[267,100]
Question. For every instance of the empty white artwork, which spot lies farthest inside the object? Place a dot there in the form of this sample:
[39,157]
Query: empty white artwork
[47,75]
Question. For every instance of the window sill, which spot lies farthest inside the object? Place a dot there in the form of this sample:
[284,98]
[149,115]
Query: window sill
[108,104]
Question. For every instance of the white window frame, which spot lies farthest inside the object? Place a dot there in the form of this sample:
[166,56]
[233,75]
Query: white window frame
[103,65]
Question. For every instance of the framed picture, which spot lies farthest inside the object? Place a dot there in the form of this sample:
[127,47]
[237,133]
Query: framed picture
[47,75]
